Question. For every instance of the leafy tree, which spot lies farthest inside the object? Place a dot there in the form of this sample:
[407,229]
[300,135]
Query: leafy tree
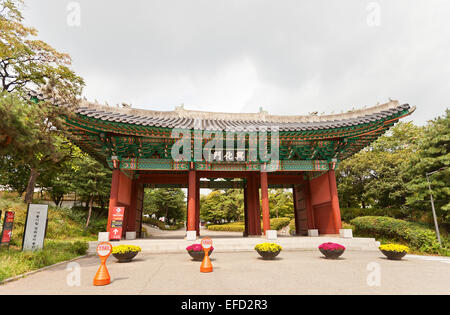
[165,202]
[88,179]
[219,206]
[375,175]
[25,61]
[281,203]
[33,131]
[13,175]
[433,154]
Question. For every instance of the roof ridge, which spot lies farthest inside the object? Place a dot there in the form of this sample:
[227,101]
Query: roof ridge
[260,116]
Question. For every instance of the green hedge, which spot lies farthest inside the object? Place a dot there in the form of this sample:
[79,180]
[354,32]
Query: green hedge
[348,214]
[228,227]
[161,225]
[275,224]
[416,236]
[279,223]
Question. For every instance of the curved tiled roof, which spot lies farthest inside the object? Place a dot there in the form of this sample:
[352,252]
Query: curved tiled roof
[188,119]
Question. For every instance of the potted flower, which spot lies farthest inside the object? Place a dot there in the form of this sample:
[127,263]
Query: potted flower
[125,253]
[393,251]
[196,251]
[331,250]
[268,250]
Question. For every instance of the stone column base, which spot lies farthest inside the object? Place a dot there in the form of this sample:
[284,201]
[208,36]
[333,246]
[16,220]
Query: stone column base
[103,236]
[191,235]
[271,234]
[130,235]
[346,233]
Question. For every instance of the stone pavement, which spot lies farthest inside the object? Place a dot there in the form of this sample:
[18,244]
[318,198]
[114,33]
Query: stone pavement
[295,272]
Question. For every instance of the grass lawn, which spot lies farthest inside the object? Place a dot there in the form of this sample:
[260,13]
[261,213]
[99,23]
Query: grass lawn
[65,239]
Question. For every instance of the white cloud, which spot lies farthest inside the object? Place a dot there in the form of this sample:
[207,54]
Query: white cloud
[290,57]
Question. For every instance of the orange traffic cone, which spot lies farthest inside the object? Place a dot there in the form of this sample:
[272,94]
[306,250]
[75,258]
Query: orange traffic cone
[102,276]
[206,265]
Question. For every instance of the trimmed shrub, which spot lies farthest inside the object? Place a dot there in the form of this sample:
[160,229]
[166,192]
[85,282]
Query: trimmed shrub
[279,223]
[415,235]
[229,227]
[275,224]
[348,214]
[161,225]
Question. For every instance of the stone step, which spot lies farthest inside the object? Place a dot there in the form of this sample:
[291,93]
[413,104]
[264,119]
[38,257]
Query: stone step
[244,244]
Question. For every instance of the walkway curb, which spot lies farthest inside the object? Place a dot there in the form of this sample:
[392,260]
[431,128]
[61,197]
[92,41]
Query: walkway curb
[41,269]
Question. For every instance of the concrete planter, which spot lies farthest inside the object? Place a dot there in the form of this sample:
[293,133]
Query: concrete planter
[125,257]
[198,255]
[268,255]
[332,254]
[391,255]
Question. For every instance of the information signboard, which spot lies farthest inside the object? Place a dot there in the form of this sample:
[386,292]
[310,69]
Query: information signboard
[115,231]
[8,223]
[35,227]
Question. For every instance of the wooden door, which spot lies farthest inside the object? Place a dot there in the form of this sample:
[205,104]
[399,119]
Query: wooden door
[301,218]
[139,209]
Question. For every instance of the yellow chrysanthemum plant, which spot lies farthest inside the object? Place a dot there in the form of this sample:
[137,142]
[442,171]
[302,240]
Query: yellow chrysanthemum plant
[394,248]
[123,249]
[268,247]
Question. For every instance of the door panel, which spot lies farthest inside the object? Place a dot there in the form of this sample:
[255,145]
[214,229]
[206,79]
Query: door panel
[139,209]
[301,218]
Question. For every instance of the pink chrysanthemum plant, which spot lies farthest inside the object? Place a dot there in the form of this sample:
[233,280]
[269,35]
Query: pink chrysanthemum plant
[197,248]
[331,247]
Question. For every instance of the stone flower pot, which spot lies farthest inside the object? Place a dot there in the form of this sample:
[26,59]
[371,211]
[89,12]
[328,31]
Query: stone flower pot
[392,255]
[332,254]
[331,250]
[198,255]
[125,257]
[268,255]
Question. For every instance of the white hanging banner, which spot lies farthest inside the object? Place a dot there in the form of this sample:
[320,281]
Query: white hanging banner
[35,227]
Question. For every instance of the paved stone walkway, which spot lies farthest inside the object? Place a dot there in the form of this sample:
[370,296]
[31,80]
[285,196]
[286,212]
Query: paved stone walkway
[295,272]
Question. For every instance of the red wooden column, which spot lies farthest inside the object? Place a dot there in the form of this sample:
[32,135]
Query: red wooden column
[334,201]
[254,217]
[192,192]
[265,201]
[197,205]
[114,195]
[246,210]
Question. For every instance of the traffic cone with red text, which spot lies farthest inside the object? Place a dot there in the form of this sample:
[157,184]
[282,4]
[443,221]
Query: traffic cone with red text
[206,263]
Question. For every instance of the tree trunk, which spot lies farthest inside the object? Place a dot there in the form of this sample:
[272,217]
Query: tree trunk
[91,201]
[34,174]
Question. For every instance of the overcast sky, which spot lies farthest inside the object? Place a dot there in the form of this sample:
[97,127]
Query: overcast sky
[286,56]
